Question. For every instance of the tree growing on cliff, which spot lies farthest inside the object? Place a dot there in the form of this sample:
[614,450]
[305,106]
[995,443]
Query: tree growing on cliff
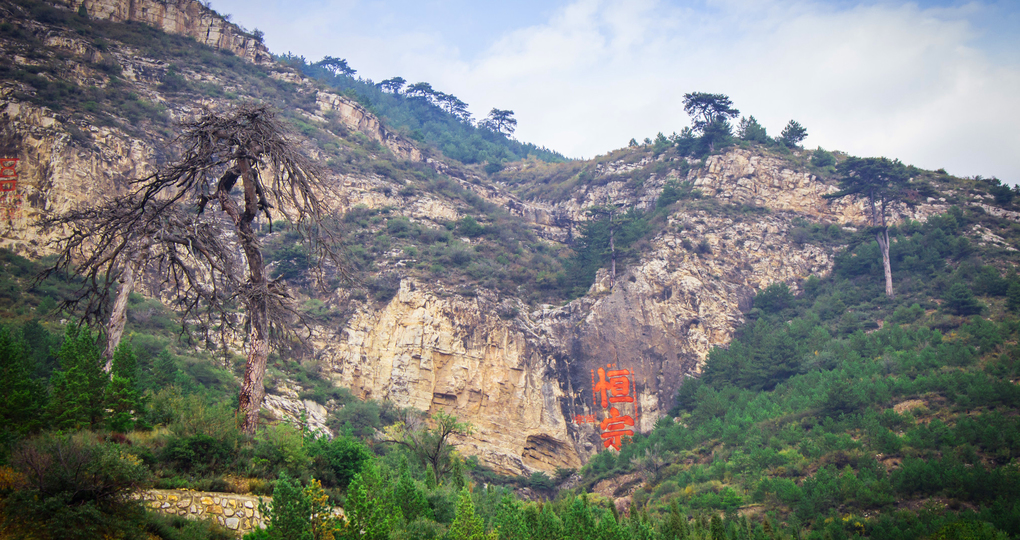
[750,130]
[242,148]
[430,442]
[336,66]
[710,114]
[885,183]
[393,85]
[500,121]
[793,134]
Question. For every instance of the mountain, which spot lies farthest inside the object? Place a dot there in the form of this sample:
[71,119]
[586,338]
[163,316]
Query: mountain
[488,292]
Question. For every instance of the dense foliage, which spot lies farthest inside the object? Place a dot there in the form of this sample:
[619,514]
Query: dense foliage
[838,412]
[430,116]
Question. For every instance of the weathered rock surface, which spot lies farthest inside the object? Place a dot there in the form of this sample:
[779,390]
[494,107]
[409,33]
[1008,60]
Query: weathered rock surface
[184,17]
[524,382]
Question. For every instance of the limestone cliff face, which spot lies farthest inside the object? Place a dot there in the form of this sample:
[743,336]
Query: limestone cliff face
[358,118]
[54,175]
[184,17]
[456,354]
[526,383]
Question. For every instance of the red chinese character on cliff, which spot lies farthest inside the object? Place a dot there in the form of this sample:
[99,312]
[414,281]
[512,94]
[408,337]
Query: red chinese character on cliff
[8,174]
[613,430]
[614,386]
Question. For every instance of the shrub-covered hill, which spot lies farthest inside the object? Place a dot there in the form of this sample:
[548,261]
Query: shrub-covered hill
[839,412]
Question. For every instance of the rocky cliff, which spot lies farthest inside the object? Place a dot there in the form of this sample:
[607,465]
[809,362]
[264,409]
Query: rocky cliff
[540,383]
[185,17]
[527,382]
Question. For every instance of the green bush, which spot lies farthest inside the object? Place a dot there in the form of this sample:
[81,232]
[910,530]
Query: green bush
[774,298]
[280,449]
[959,300]
[822,159]
[77,488]
[199,454]
[336,461]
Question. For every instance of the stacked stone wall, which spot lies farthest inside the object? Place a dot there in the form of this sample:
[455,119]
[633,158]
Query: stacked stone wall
[239,513]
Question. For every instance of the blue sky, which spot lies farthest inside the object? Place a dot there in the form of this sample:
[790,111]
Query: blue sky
[934,83]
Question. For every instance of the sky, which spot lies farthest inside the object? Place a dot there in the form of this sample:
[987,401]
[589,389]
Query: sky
[933,83]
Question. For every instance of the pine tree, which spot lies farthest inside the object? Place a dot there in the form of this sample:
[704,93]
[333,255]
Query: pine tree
[608,528]
[288,519]
[549,526]
[121,393]
[21,396]
[466,525]
[578,522]
[961,301]
[675,525]
[457,472]
[370,508]
[322,521]
[1013,297]
[412,501]
[717,530]
[80,384]
[510,521]
[164,371]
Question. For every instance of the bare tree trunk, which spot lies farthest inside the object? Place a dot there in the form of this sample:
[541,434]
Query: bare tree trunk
[252,388]
[612,252]
[118,316]
[883,244]
[882,236]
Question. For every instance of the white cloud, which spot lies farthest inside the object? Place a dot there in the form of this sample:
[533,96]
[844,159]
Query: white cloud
[874,79]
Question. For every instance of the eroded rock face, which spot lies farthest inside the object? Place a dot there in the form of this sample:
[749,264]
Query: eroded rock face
[54,175]
[184,17]
[458,355]
[526,383]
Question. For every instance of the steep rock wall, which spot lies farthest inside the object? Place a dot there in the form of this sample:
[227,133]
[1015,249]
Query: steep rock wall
[54,175]
[527,383]
[184,17]
[456,354]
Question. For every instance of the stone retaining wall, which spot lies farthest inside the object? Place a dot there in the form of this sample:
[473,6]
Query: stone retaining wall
[239,513]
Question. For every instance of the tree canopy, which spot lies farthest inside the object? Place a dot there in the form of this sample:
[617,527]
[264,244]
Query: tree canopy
[792,134]
[706,109]
[337,66]
[883,182]
[501,121]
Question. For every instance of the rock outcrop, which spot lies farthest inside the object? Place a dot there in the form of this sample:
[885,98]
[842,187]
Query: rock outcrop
[526,383]
[183,17]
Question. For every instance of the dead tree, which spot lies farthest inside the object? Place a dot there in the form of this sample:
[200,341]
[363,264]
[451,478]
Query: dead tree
[244,148]
[109,245]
